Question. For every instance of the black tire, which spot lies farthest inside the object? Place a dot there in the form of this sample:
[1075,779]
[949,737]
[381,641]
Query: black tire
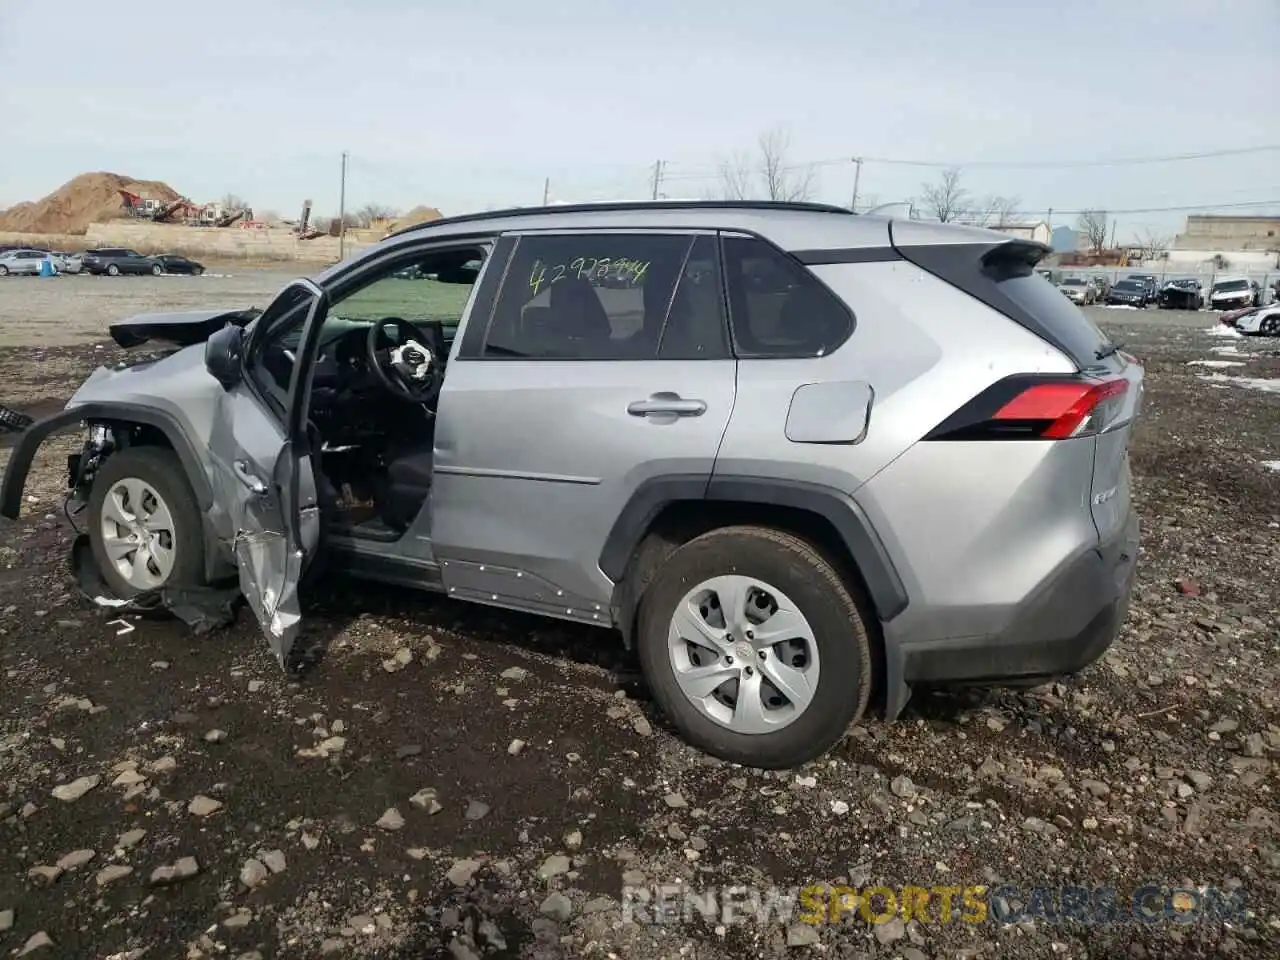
[4,271]
[113,270]
[1270,327]
[159,467]
[793,566]
[156,269]
[197,271]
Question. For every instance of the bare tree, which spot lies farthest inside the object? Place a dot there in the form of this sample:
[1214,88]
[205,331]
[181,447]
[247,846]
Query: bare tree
[1153,245]
[1092,225]
[769,175]
[996,211]
[371,213]
[946,199]
[736,178]
[233,201]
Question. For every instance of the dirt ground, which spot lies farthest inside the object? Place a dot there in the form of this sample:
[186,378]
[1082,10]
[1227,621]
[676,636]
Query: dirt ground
[555,781]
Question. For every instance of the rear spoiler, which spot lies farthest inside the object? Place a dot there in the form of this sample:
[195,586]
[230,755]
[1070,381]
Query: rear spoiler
[1013,258]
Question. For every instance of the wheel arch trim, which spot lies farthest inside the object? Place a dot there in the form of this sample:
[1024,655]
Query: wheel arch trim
[29,441]
[885,587]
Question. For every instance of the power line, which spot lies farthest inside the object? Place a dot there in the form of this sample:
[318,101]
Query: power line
[1007,164]
[1179,209]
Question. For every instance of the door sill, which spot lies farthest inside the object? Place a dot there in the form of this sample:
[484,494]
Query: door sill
[373,529]
[363,558]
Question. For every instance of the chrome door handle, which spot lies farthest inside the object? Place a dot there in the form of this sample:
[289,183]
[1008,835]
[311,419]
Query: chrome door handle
[248,479]
[669,404]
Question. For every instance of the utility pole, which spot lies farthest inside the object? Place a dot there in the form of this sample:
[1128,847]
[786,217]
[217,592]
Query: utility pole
[1050,223]
[857,175]
[657,176]
[342,209]
[1113,234]
[546,191]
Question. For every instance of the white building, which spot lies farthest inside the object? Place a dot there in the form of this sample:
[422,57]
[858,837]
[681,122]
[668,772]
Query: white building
[1036,230]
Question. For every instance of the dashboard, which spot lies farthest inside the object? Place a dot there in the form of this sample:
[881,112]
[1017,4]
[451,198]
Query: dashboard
[349,403]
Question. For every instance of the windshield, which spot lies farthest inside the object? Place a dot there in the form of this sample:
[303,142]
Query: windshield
[1228,286]
[1073,282]
[1129,285]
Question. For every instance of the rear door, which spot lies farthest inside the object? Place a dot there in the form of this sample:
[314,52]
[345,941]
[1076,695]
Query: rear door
[262,466]
[604,364]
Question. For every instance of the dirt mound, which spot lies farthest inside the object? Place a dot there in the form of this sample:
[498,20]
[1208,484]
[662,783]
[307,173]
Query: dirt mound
[415,216]
[88,198]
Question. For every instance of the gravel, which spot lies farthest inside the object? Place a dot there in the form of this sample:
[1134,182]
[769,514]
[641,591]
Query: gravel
[1158,763]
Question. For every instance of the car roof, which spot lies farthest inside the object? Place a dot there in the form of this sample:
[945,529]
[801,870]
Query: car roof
[793,226]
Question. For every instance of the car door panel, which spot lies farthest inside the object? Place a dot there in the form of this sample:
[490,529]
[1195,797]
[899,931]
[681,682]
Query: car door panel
[264,479]
[535,461]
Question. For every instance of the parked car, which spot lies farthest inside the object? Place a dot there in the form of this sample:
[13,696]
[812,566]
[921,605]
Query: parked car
[114,261]
[67,262]
[172,263]
[696,465]
[1150,284]
[1234,293]
[1128,293]
[1260,321]
[1182,294]
[22,262]
[1079,290]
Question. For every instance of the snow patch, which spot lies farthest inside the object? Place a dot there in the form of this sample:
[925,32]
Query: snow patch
[1272,465]
[1222,330]
[1215,363]
[1230,350]
[1249,383]
[1118,306]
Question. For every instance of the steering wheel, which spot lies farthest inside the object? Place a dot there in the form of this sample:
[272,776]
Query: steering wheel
[408,370]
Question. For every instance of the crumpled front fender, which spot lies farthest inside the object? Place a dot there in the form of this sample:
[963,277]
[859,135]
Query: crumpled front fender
[24,452]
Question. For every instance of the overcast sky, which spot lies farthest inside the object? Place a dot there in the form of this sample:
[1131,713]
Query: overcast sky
[469,106]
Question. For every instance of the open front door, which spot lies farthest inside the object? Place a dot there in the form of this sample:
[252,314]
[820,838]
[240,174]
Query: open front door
[262,459]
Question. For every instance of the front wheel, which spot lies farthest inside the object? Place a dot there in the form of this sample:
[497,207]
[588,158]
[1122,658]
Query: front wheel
[4,271]
[144,523]
[754,647]
[1270,327]
[113,271]
[156,269]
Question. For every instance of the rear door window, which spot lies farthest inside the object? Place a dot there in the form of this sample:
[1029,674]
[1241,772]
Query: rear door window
[609,296]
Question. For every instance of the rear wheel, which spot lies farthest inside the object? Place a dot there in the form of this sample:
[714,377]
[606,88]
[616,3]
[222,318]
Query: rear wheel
[754,647]
[4,271]
[1270,327]
[156,269]
[144,524]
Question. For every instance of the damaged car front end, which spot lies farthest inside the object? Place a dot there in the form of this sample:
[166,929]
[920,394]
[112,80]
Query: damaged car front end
[140,403]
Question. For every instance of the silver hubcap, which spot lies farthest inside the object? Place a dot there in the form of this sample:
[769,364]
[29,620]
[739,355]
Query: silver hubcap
[743,654]
[137,533]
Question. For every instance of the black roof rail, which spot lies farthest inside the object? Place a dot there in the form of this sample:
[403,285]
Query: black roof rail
[625,205]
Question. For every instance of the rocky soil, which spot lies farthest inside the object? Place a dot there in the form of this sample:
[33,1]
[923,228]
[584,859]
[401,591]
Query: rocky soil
[457,782]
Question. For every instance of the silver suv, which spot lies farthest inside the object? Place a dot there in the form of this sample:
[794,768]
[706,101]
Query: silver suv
[798,458]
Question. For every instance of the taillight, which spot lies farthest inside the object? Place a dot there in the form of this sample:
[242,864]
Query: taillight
[1036,408]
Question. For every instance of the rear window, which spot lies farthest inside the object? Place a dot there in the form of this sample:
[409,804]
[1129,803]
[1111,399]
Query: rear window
[1003,277]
